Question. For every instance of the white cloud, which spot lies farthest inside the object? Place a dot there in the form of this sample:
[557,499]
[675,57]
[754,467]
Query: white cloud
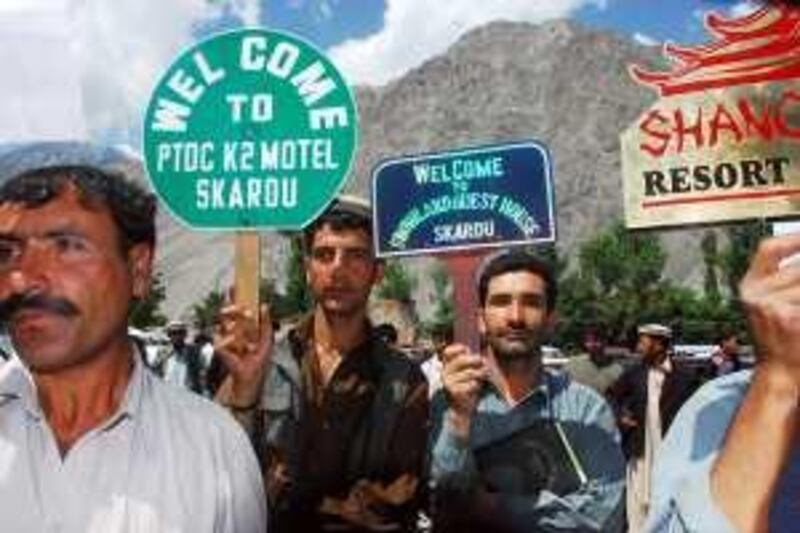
[115,50]
[737,10]
[645,40]
[743,8]
[413,31]
[16,6]
[40,91]
[125,47]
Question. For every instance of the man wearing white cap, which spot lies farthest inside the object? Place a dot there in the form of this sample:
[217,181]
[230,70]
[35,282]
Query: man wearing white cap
[181,364]
[646,399]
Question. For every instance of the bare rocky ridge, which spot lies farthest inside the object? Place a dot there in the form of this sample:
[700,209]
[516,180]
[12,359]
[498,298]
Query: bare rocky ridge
[559,83]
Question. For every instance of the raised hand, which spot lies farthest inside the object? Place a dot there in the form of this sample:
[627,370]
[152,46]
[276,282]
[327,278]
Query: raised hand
[463,374]
[244,344]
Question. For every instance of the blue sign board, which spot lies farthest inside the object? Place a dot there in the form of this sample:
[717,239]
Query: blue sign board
[479,197]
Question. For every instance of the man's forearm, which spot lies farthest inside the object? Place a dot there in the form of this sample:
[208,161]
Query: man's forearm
[755,449]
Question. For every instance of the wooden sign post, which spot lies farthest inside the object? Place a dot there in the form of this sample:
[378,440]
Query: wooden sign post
[462,267]
[247,270]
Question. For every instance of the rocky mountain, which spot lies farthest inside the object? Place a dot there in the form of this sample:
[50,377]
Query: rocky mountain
[559,83]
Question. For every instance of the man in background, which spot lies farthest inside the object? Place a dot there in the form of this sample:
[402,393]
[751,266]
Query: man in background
[646,399]
[181,363]
[725,358]
[595,367]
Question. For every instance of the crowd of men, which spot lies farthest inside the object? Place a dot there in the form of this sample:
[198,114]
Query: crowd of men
[329,427]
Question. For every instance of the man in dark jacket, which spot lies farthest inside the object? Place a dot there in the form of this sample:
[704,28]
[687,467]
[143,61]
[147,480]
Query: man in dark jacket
[338,417]
[646,398]
[181,364]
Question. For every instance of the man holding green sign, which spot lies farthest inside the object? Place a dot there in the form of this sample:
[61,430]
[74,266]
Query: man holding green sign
[338,417]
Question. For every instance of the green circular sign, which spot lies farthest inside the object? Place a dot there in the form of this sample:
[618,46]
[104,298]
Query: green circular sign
[251,128]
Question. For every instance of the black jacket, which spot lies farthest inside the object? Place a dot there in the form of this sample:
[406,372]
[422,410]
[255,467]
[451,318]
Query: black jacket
[629,396]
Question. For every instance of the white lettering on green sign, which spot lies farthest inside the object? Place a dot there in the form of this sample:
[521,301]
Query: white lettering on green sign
[251,127]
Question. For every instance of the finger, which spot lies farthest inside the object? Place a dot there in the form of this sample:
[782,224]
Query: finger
[227,348]
[463,362]
[227,325]
[232,312]
[783,285]
[771,252]
[467,375]
[462,390]
[785,279]
[453,351]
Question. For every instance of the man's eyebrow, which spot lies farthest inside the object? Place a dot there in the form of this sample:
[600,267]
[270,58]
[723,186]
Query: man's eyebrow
[510,294]
[5,236]
[66,230]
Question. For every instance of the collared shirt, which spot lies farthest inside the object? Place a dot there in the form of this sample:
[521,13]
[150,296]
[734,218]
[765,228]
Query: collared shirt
[317,442]
[681,497]
[182,366]
[582,369]
[589,427]
[167,461]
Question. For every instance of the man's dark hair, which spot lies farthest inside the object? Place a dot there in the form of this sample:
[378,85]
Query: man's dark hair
[515,261]
[132,208]
[596,330]
[339,217]
[725,334]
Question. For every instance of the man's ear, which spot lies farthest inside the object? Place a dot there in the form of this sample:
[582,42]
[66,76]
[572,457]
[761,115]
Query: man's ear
[140,265]
[481,321]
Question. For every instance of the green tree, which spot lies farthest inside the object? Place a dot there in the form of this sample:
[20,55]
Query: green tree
[146,312]
[297,296]
[443,308]
[743,239]
[397,283]
[204,313]
[710,249]
[618,283]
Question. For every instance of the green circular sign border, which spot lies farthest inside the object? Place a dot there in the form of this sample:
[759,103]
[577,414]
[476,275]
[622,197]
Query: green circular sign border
[185,51]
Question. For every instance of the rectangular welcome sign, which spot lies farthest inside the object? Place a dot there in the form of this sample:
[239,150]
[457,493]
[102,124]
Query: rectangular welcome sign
[463,199]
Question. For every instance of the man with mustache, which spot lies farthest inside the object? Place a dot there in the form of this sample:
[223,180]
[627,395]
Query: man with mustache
[338,418]
[90,440]
[517,447]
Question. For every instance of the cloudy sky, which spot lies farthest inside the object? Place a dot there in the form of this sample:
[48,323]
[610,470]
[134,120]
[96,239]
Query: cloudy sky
[85,68]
